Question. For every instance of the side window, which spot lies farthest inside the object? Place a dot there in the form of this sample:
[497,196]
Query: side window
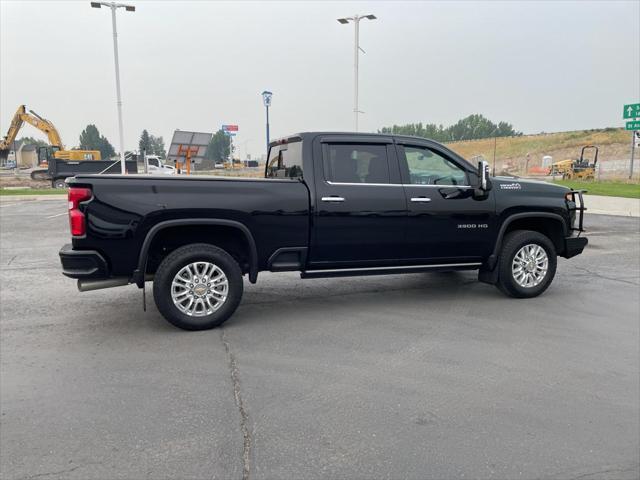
[427,167]
[356,163]
[285,161]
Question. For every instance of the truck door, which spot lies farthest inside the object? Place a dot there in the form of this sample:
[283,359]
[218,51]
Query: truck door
[445,221]
[360,204]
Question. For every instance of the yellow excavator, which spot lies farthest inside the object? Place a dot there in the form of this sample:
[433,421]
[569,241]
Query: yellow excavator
[54,150]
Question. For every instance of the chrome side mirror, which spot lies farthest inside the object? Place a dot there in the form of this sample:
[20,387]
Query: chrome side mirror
[483,175]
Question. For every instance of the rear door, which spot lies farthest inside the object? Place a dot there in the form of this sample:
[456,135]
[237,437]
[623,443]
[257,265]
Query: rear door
[445,222]
[360,203]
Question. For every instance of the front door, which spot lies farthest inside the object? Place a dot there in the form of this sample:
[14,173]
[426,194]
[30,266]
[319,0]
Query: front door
[446,222]
[360,205]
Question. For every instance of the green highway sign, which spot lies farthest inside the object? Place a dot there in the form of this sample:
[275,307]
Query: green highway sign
[631,111]
[635,125]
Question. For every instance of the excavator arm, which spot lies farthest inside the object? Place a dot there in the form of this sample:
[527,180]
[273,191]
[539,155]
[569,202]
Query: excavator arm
[37,121]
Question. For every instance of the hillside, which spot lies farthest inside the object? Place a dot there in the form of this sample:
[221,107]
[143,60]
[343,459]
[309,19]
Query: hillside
[511,152]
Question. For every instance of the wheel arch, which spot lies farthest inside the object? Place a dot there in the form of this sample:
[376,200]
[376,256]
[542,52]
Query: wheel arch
[139,273]
[550,224]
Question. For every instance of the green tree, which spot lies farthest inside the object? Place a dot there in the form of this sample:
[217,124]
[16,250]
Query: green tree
[90,139]
[31,141]
[157,146]
[218,149]
[469,128]
[145,142]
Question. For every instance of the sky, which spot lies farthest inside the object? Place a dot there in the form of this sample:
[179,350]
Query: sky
[195,65]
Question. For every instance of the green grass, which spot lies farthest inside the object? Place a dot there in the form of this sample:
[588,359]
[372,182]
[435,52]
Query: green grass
[610,189]
[33,191]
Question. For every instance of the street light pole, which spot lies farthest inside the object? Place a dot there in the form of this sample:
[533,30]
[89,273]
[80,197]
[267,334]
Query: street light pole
[356,58]
[129,8]
[266,99]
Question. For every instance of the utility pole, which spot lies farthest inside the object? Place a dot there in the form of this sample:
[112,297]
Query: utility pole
[129,8]
[356,57]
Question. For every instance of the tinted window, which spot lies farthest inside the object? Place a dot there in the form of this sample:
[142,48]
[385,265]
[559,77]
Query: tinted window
[285,161]
[351,163]
[427,167]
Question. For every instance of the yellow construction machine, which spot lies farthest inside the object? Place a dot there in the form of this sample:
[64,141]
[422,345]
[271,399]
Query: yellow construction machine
[579,168]
[56,148]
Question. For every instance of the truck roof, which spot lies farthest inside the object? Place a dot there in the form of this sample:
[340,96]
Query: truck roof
[303,135]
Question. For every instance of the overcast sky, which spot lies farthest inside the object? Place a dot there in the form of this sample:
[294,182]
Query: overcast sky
[542,66]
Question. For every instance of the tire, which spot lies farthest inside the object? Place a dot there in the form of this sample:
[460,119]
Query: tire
[190,261]
[59,183]
[517,280]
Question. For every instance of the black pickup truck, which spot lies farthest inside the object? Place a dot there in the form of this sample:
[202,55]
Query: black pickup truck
[331,204]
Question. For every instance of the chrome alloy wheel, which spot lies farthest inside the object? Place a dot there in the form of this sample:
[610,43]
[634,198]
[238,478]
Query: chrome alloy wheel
[199,289]
[530,265]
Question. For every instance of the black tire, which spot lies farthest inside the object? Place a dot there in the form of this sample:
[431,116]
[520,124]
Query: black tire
[183,256]
[59,183]
[512,243]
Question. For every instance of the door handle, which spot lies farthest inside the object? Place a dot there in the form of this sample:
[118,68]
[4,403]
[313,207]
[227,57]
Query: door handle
[333,199]
[420,199]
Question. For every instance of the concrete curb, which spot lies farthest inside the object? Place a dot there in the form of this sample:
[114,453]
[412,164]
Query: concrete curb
[601,205]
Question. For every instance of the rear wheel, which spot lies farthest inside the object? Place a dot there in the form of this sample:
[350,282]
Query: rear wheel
[198,287]
[527,264]
[59,183]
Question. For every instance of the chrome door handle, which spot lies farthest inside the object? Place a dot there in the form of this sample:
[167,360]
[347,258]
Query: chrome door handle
[333,199]
[420,199]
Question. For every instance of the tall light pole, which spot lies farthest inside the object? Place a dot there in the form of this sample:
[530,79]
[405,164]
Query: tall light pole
[129,8]
[266,99]
[356,53]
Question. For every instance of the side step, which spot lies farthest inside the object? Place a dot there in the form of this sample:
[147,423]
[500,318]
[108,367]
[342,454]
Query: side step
[359,272]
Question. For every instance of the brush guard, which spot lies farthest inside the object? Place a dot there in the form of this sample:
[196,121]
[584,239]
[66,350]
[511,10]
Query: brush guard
[578,208]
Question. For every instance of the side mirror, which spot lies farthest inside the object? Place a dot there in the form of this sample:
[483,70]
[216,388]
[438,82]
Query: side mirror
[483,176]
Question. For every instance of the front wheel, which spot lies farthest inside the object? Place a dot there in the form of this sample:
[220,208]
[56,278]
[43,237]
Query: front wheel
[527,264]
[198,287]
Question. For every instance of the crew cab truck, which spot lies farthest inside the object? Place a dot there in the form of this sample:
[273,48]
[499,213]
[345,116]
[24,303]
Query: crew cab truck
[330,204]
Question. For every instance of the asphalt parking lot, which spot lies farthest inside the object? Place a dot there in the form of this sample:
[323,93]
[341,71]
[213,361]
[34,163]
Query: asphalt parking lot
[416,376]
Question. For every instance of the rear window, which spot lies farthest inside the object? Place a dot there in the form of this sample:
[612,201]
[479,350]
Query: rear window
[285,161]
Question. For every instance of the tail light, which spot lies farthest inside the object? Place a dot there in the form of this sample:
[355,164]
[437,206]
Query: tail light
[77,220]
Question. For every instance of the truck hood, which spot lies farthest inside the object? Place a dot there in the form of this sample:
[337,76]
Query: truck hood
[516,183]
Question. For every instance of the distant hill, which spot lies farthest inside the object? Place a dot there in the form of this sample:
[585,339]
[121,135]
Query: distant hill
[614,145]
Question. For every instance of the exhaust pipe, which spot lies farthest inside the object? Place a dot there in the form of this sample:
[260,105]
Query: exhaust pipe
[88,285]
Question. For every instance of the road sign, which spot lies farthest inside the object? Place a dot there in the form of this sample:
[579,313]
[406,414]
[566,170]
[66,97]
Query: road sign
[631,111]
[234,128]
[635,125]
[229,134]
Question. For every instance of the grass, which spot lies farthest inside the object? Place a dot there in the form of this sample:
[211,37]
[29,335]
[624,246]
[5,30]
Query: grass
[609,189]
[33,191]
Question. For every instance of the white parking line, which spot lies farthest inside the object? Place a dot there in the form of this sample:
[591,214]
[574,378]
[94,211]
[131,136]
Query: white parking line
[57,215]
[8,205]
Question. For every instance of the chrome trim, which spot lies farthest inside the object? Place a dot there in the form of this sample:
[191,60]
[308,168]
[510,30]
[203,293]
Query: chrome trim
[420,199]
[333,199]
[396,185]
[441,265]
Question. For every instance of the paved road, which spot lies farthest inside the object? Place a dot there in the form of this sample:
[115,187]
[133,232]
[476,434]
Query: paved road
[417,376]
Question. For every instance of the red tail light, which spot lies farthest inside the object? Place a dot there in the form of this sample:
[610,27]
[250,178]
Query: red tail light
[76,217]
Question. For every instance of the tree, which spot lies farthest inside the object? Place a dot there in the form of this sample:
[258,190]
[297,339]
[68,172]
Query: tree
[145,142]
[31,141]
[90,139]
[157,146]
[218,149]
[469,128]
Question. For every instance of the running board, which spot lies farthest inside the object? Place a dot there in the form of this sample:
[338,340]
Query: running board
[358,272]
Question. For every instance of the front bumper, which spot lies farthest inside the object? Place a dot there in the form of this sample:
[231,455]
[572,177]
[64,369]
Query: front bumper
[574,246]
[82,264]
